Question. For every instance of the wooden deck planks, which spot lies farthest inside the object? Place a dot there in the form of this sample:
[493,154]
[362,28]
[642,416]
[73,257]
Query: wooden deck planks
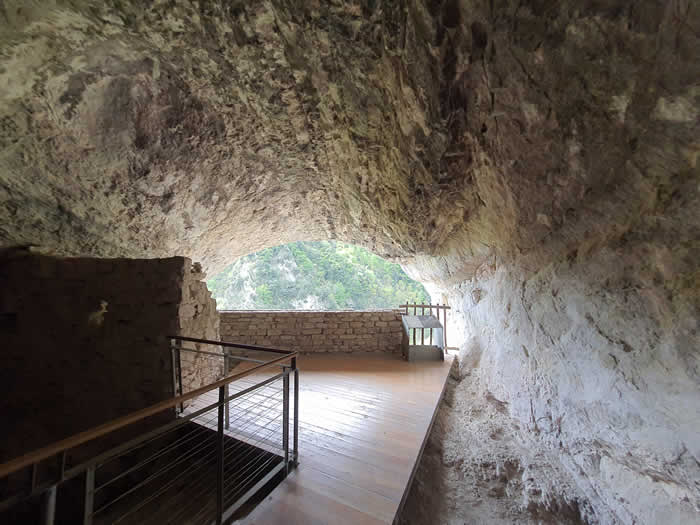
[363,421]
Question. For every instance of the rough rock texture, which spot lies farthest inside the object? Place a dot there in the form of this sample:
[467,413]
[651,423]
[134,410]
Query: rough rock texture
[308,331]
[476,470]
[601,366]
[535,161]
[216,128]
[198,318]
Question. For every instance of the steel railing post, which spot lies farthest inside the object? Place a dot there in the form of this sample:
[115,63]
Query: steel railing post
[444,328]
[179,372]
[173,359]
[285,418]
[220,458]
[295,455]
[227,410]
[48,506]
[89,495]
[176,356]
[62,471]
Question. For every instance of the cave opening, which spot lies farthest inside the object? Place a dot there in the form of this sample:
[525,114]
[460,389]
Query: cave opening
[320,275]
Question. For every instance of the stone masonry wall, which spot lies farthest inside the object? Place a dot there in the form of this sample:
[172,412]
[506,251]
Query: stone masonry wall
[198,318]
[84,341]
[309,331]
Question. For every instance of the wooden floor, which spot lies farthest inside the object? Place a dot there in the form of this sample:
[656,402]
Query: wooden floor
[363,422]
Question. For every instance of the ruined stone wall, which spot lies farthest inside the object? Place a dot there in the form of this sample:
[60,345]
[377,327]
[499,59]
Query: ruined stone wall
[308,331]
[83,341]
[199,319]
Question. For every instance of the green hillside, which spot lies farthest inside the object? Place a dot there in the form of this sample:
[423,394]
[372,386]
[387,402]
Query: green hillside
[324,275]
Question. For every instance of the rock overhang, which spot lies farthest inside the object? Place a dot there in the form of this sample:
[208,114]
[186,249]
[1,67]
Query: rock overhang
[536,165]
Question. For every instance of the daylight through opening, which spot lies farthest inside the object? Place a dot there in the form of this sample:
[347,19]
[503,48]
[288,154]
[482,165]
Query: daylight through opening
[316,275]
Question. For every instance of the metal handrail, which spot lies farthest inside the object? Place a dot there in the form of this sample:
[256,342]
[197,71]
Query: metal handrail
[232,345]
[430,307]
[436,306]
[81,438]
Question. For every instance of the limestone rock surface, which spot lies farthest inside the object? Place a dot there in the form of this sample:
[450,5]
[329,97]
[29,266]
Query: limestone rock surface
[217,128]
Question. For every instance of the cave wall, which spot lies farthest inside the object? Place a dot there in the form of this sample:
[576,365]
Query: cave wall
[580,307]
[598,362]
[214,129]
[84,340]
[534,161]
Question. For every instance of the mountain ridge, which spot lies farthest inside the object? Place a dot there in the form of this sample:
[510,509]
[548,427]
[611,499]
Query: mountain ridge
[313,275]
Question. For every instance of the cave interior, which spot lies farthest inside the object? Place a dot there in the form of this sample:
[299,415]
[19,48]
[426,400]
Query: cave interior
[533,163]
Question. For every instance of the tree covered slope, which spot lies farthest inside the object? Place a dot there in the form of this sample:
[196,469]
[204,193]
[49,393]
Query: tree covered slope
[323,275]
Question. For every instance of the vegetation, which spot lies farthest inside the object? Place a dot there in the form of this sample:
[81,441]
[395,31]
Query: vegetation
[324,275]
